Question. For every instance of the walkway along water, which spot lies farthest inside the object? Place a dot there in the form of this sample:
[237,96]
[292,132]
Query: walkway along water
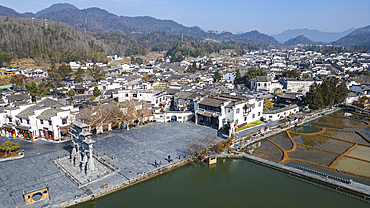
[138,179]
[358,188]
[355,187]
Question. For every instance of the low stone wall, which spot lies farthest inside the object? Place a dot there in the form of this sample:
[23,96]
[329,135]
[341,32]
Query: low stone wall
[12,158]
[131,182]
[355,187]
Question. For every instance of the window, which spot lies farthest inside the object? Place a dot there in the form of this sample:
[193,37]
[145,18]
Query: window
[126,95]
[49,123]
[179,117]
[254,115]
[270,116]
[284,113]
[28,121]
[259,84]
[64,121]
[167,117]
[10,120]
[21,120]
[278,115]
[42,121]
[156,101]
[134,95]
[245,118]
[161,116]
[259,113]
[259,104]
[236,122]
[265,84]
[237,110]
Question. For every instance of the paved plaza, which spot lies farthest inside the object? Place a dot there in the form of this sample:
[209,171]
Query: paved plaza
[133,152]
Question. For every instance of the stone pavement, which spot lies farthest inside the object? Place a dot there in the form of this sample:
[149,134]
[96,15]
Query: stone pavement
[134,153]
[136,150]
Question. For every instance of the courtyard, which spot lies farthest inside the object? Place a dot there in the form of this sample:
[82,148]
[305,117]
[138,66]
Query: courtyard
[133,152]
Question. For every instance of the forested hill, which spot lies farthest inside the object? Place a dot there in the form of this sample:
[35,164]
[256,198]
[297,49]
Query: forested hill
[94,19]
[359,39]
[59,42]
[301,39]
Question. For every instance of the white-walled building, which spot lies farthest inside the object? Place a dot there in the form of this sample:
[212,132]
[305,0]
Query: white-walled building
[48,119]
[220,110]
[229,77]
[280,113]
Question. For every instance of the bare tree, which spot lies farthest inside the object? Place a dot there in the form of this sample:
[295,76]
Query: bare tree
[200,147]
[101,115]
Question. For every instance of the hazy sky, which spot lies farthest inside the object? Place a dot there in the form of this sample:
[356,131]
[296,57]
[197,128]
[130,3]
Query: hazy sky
[267,16]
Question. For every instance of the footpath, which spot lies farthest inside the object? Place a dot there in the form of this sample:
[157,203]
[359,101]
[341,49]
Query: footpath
[246,137]
[306,176]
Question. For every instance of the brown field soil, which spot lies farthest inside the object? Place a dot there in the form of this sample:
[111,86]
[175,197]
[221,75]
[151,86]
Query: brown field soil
[360,152]
[151,56]
[312,155]
[282,140]
[348,136]
[269,151]
[353,166]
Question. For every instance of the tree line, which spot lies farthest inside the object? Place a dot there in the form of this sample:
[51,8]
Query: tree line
[331,91]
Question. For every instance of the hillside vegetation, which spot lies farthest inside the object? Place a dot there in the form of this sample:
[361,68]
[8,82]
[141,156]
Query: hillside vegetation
[60,42]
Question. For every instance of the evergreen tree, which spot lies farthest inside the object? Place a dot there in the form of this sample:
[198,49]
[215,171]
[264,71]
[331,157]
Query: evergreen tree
[217,76]
[327,97]
[78,79]
[71,93]
[238,75]
[314,97]
[96,92]
[342,92]
[253,72]
[64,71]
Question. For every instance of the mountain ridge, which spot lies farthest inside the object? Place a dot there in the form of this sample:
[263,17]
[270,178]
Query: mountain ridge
[314,35]
[359,38]
[99,19]
[301,39]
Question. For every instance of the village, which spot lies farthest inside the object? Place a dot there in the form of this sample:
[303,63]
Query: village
[225,92]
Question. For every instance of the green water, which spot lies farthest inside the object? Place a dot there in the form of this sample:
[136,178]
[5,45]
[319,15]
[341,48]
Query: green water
[229,183]
[306,128]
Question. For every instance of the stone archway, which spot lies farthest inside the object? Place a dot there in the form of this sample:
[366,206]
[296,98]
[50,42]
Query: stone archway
[173,118]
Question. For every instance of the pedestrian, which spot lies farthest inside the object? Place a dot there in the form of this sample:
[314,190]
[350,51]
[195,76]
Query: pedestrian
[160,163]
[155,163]
[169,158]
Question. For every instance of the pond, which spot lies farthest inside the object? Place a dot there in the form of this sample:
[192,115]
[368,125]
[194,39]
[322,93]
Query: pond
[229,183]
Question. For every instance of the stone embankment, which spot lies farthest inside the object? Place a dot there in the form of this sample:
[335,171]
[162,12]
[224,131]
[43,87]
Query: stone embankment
[354,187]
[138,179]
